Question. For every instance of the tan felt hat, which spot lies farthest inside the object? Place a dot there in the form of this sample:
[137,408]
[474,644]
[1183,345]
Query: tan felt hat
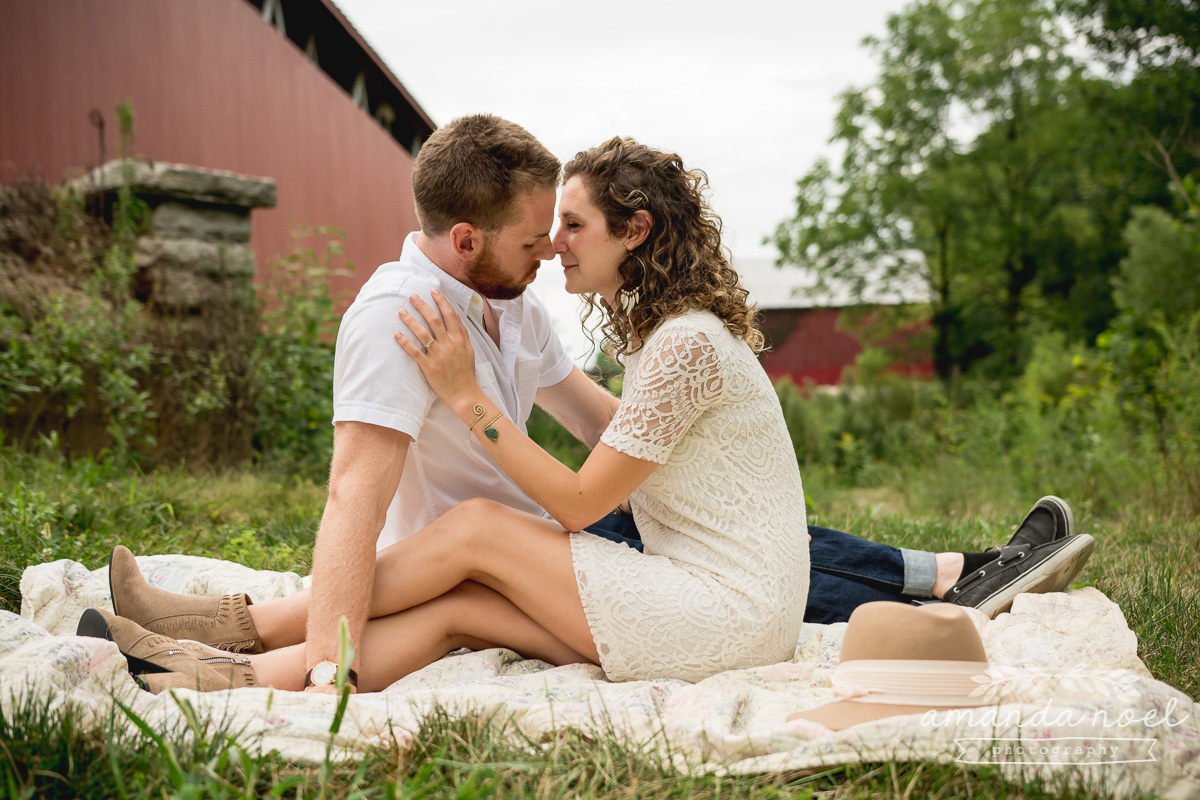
[900,659]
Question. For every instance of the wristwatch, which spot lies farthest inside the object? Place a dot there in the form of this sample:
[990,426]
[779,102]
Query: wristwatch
[325,674]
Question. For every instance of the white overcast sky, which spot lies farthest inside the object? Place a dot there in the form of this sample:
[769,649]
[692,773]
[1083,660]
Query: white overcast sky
[744,89]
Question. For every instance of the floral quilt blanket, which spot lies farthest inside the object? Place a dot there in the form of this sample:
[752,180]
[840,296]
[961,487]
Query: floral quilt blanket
[1067,697]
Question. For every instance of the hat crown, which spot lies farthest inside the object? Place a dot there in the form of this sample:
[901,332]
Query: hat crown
[896,631]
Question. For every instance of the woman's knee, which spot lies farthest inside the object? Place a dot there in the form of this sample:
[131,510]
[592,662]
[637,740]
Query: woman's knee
[463,606]
[486,538]
[453,536]
[455,531]
[468,521]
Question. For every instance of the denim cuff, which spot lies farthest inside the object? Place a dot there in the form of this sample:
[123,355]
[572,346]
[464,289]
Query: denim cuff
[920,572]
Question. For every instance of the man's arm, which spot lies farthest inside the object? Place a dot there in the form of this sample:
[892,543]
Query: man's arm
[582,406]
[368,461]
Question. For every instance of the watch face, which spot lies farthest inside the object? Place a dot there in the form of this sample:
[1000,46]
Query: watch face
[323,674]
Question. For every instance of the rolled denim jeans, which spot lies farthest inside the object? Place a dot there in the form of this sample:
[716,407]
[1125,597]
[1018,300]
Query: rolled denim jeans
[845,571]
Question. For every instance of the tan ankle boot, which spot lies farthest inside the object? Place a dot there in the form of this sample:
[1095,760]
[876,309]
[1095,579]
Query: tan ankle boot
[222,622]
[162,662]
[159,682]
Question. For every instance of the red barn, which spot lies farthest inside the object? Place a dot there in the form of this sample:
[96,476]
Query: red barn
[284,89]
[814,336]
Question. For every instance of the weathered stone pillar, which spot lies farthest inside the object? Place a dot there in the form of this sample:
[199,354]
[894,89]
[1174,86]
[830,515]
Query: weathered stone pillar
[195,277]
[196,253]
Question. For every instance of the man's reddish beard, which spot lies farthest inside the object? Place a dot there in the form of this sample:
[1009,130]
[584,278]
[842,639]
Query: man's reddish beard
[488,279]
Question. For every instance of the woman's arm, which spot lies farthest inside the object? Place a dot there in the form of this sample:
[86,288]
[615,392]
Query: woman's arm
[575,500]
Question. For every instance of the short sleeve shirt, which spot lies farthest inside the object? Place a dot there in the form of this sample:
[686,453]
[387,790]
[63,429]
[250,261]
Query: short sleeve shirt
[376,382]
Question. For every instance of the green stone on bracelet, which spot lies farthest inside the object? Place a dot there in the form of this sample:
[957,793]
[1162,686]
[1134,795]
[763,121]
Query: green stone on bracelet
[490,432]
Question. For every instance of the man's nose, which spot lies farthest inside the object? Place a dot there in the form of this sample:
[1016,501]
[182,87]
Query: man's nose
[546,250]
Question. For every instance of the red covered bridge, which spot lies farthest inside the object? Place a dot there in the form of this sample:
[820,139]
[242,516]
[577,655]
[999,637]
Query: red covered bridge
[285,90]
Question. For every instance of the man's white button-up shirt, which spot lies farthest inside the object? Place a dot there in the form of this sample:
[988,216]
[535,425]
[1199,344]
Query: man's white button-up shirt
[376,382]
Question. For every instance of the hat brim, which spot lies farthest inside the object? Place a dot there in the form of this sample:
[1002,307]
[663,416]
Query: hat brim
[842,714]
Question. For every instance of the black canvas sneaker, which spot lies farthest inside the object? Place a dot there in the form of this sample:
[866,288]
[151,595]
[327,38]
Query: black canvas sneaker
[1049,520]
[1048,567]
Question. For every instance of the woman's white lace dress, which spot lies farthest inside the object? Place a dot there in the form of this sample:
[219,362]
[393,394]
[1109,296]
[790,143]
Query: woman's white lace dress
[724,577]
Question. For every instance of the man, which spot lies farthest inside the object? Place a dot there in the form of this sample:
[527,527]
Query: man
[485,193]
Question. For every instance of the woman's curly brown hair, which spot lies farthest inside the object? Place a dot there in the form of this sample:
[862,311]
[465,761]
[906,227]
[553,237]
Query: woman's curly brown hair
[681,265]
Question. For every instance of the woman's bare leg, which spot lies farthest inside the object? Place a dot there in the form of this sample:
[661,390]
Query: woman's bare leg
[525,558]
[469,615]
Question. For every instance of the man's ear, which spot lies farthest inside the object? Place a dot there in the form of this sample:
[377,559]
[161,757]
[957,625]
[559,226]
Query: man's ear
[466,240]
[640,225]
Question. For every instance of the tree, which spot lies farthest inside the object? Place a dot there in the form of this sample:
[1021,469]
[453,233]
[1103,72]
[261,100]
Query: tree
[1152,51]
[1154,32]
[1159,281]
[970,166]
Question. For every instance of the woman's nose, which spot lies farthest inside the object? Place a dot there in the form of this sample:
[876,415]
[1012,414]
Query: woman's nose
[560,246]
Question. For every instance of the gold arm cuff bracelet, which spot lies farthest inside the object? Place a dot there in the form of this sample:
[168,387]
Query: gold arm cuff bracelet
[478,409]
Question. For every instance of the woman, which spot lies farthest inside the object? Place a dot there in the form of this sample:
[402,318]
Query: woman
[699,438]
[698,447]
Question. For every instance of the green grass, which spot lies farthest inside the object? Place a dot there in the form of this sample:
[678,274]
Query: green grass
[51,508]
[50,754]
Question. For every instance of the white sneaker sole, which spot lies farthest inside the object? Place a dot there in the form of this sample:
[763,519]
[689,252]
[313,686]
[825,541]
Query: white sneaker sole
[1053,575]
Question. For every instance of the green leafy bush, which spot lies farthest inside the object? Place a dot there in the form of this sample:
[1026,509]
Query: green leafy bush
[293,355]
[1160,277]
[1075,424]
[85,365]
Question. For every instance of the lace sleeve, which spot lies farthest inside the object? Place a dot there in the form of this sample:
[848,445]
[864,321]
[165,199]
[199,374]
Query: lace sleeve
[677,378]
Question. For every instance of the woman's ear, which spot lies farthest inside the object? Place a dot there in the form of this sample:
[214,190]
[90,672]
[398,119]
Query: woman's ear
[466,240]
[640,225]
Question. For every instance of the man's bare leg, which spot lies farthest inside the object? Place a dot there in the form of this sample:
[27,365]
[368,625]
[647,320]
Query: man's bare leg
[949,570]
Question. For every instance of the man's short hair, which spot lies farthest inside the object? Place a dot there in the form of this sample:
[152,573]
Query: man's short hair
[474,169]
